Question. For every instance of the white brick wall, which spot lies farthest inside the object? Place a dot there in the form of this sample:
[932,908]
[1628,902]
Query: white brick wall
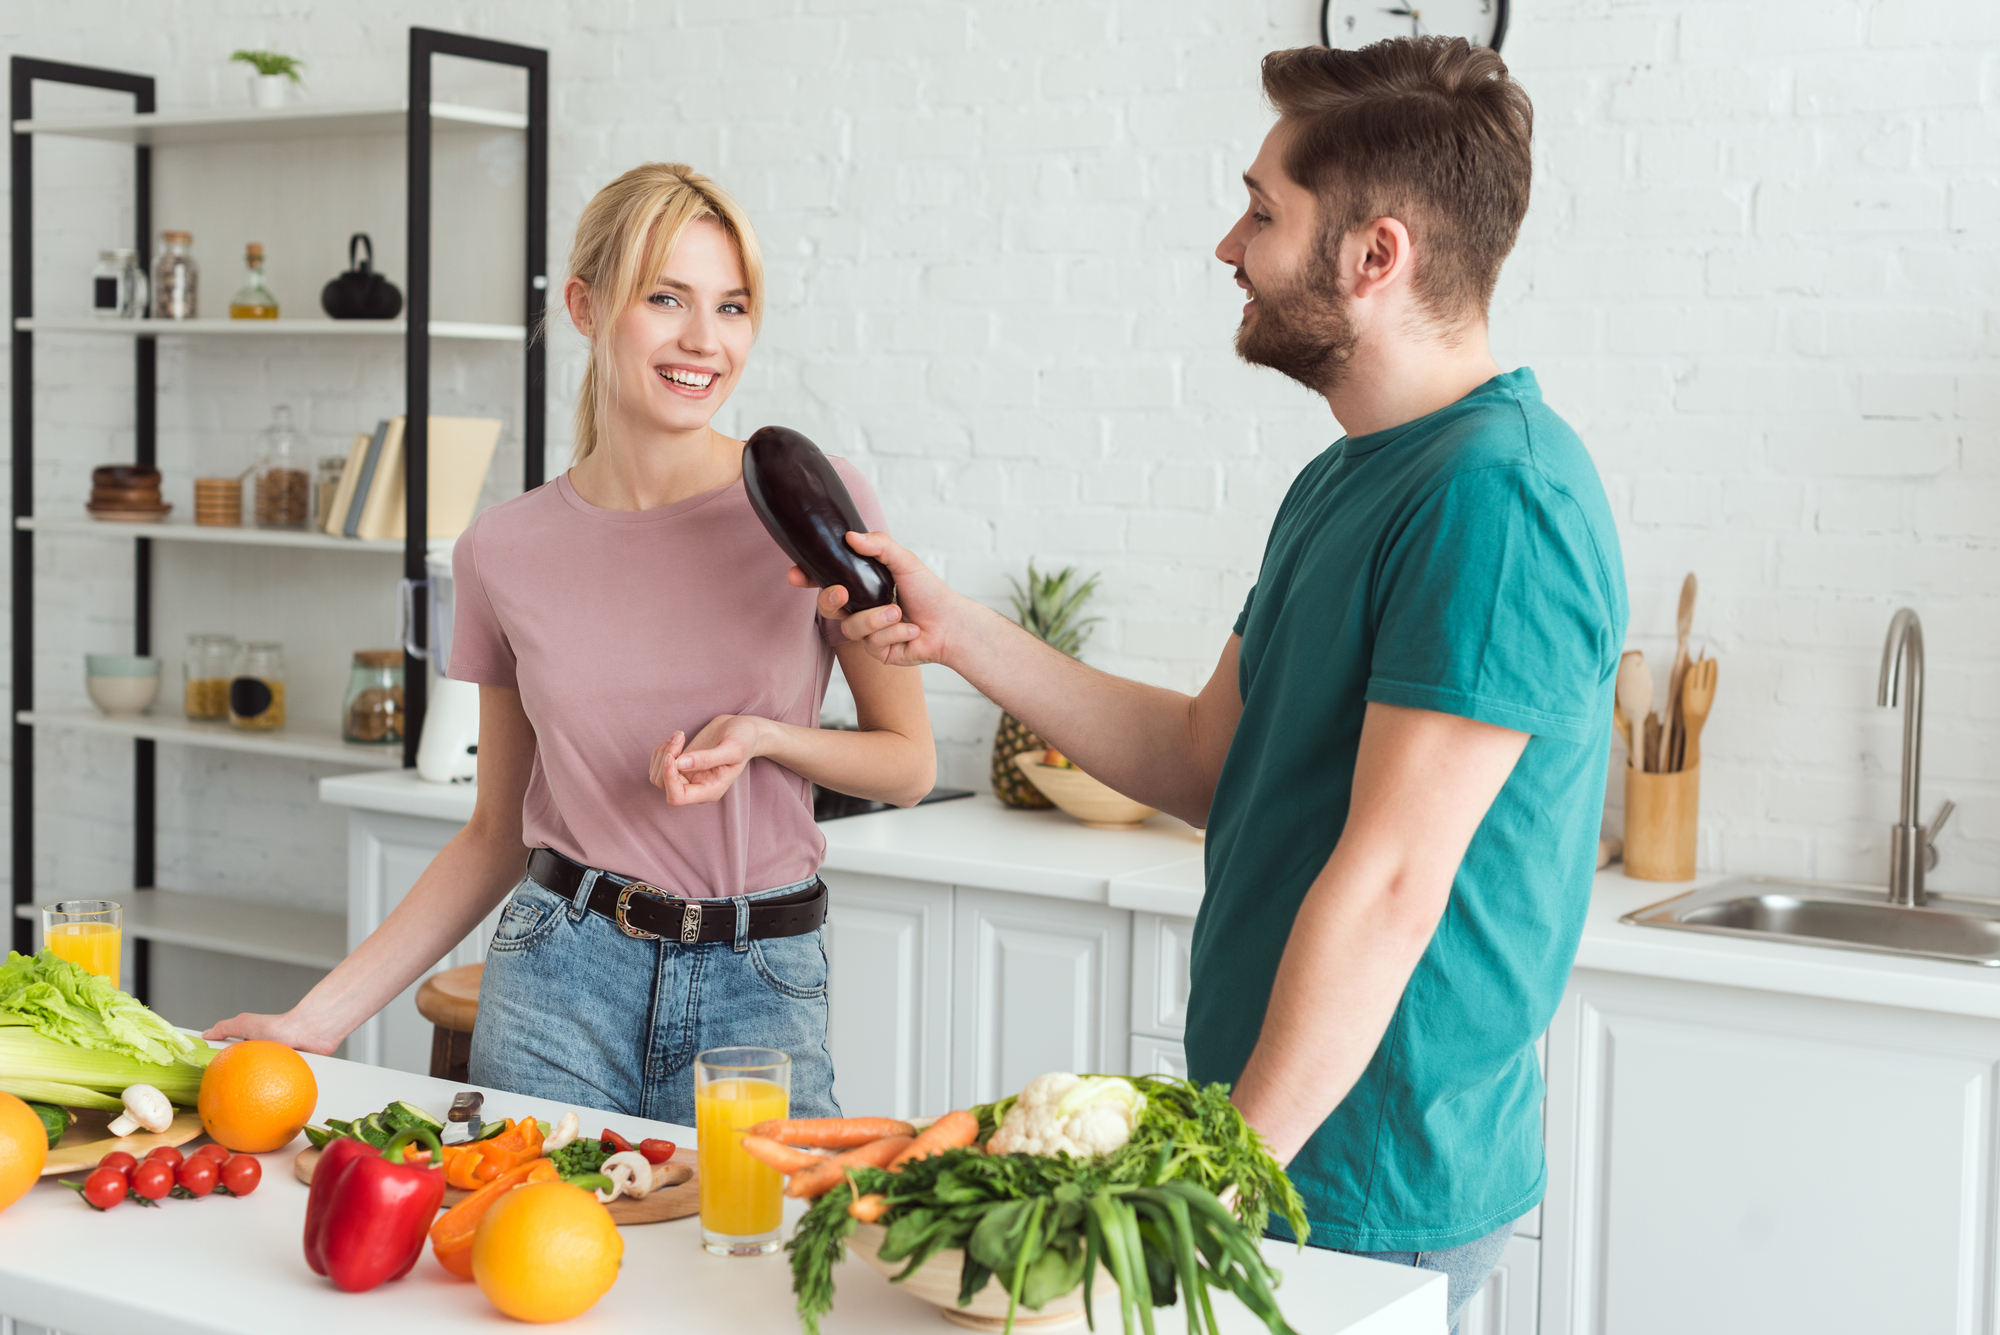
[1759,277]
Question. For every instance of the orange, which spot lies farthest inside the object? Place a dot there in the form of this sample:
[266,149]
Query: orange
[24,1148]
[546,1252]
[255,1096]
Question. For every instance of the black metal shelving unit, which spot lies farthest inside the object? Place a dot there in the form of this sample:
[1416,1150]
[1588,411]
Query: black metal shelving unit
[25,71]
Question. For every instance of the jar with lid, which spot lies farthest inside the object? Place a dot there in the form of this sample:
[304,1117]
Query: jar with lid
[257,687]
[253,301]
[326,485]
[118,285]
[280,496]
[175,278]
[373,712]
[210,661]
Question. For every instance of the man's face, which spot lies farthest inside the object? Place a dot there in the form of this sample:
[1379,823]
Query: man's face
[1296,320]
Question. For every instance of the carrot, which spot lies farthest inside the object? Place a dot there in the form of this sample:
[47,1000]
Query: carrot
[451,1235]
[825,1175]
[954,1130]
[831,1133]
[781,1157]
[868,1209]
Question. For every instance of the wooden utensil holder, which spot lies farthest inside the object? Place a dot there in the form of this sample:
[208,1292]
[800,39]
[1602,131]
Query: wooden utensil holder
[1660,823]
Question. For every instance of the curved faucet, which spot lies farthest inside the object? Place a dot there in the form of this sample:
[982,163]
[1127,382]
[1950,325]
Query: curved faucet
[1911,852]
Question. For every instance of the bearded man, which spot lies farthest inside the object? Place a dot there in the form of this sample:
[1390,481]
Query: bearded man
[1400,758]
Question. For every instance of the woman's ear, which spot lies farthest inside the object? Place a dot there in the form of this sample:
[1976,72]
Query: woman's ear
[576,296]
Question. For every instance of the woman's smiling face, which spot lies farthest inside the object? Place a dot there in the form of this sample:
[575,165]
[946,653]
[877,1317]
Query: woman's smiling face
[681,350]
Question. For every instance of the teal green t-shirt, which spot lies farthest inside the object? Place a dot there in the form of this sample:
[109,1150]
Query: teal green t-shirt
[1465,562]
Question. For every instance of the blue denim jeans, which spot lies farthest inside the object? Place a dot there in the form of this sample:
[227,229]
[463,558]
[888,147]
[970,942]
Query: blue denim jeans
[1465,1267]
[571,1008]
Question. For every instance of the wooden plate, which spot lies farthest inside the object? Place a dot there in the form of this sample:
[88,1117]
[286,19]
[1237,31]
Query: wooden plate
[88,1140]
[680,1198]
[129,516]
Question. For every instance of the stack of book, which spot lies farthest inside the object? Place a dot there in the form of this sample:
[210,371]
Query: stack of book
[370,500]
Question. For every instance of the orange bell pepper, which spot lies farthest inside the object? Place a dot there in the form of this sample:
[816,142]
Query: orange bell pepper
[459,1163]
[451,1235]
[521,1143]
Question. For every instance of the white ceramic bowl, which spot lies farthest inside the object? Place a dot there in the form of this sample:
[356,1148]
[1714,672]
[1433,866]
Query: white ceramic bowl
[122,695]
[936,1282]
[121,665]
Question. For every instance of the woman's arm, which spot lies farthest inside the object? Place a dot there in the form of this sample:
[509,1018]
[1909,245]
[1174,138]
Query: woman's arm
[465,880]
[890,759]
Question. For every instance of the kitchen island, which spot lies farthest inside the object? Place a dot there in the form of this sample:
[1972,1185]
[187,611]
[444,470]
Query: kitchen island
[222,1265]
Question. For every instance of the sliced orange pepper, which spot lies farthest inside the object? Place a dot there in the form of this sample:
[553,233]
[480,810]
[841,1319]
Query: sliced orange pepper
[451,1235]
[459,1163]
[521,1143]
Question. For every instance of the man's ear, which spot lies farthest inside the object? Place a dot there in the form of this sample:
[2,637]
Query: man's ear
[1378,254]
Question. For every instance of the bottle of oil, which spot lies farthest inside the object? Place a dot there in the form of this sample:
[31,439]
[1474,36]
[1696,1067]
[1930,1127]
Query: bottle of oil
[253,301]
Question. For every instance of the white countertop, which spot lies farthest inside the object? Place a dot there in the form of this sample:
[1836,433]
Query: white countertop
[223,1265]
[978,843]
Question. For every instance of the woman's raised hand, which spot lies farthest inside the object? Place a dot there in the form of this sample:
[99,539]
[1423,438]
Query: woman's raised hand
[693,772]
[909,632]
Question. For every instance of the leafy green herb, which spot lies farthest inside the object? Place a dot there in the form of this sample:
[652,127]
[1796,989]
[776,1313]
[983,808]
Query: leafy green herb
[60,1000]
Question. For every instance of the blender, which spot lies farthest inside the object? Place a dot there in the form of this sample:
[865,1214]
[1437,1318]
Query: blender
[448,750]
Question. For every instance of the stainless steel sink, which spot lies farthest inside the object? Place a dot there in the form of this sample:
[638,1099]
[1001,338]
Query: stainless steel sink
[1846,917]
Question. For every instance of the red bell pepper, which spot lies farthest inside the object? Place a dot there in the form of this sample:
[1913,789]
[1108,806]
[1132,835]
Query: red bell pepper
[369,1211]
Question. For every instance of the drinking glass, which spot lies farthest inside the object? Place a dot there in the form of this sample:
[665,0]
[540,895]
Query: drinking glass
[87,932]
[742,1200]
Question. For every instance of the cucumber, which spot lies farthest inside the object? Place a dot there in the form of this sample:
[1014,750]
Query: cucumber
[488,1130]
[375,1130]
[54,1120]
[409,1114]
[320,1137]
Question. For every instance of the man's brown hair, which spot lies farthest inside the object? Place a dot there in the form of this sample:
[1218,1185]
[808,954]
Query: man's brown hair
[1430,131]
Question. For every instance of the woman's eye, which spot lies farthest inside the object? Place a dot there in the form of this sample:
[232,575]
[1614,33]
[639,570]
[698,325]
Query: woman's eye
[665,299]
[733,308]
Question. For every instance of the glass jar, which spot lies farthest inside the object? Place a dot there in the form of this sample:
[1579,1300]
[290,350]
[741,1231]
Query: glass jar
[210,661]
[118,285]
[253,301]
[281,492]
[326,485]
[373,711]
[257,687]
[175,279]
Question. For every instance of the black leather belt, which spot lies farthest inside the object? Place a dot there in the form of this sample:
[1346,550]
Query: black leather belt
[651,914]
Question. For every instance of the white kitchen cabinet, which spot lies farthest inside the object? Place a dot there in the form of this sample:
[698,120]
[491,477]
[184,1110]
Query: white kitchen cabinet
[888,945]
[1160,973]
[1157,1056]
[1037,985]
[1726,1160]
[1506,1303]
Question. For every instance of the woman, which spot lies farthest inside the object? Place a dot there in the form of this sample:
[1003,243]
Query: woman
[649,689]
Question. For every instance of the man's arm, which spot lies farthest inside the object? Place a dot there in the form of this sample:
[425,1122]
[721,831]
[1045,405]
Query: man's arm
[1422,784]
[1161,747]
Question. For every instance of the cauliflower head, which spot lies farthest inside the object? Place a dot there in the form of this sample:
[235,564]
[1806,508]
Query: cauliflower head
[1061,1113]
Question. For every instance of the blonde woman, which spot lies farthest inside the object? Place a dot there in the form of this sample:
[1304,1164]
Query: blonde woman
[649,693]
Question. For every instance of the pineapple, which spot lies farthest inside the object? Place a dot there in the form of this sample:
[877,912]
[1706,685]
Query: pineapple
[1047,609]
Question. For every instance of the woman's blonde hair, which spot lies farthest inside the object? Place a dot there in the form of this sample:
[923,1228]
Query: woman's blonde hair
[622,243]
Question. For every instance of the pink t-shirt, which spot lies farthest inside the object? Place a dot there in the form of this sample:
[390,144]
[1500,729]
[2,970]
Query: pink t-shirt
[619,627]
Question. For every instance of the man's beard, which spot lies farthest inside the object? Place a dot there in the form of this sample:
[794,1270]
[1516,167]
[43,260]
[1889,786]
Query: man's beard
[1302,330]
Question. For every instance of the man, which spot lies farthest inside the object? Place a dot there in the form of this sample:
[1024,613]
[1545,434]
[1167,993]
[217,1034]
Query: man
[1400,759]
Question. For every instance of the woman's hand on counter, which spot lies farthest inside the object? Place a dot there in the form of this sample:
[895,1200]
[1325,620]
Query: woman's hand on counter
[702,770]
[286,1029]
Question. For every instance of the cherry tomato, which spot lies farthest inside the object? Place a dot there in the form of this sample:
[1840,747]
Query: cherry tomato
[119,1160]
[153,1179]
[167,1155]
[104,1188]
[242,1174]
[614,1143]
[211,1151]
[656,1151]
[198,1175]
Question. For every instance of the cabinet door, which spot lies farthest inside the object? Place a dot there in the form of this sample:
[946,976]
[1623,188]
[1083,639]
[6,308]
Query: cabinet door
[1037,985]
[1739,1162]
[888,948]
[1160,973]
[385,855]
[1152,1055]
[1505,1304]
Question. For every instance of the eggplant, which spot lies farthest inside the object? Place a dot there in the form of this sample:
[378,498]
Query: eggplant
[808,512]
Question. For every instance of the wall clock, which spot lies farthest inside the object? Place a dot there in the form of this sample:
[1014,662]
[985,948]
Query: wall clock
[1352,23]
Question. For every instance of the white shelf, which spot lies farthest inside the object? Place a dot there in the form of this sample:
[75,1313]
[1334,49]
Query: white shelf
[219,125]
[468,329]
[272,932]
[182,531]
[292,742]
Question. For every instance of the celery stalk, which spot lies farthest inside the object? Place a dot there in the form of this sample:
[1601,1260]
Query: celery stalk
[54,1091]
[29,1058]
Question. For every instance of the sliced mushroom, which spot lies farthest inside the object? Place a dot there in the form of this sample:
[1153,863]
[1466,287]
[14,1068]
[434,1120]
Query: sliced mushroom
[144,1107]
[630,1174]
[565,1131]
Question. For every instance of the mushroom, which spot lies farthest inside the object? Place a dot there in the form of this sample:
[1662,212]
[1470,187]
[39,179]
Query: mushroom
[566,1131]
[144,1107]
[630,1174]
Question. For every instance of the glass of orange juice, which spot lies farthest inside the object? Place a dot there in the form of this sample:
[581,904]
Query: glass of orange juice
[88,933]
[742,1200]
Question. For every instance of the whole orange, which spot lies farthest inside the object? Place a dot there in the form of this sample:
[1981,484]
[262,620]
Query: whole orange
[256,1095]
[546,1252]
[24,1148]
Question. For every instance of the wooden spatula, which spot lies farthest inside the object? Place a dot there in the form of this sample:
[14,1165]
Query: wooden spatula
[1672,742]
[1635,697]
[1697,698]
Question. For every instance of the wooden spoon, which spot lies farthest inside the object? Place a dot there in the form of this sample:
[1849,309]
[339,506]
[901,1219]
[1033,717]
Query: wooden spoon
[1697,698]
[1635,697]
[1673,741]
[1655,748]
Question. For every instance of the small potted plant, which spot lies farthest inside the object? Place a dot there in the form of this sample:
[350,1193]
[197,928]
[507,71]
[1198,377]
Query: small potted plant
[273,74]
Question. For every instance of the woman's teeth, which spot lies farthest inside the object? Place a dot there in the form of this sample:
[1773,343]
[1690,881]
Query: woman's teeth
[692,379]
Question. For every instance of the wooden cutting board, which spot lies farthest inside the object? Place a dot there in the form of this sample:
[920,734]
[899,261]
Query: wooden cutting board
[89,1140]
[680,1198]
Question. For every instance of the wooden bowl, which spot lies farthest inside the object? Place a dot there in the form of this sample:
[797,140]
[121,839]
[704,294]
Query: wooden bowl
[1083,797]
[125,475]
[937,1283]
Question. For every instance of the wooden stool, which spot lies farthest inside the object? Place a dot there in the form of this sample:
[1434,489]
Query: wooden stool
[450,1001]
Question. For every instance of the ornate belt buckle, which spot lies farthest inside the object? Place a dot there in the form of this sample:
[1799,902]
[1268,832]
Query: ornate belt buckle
[690,913]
